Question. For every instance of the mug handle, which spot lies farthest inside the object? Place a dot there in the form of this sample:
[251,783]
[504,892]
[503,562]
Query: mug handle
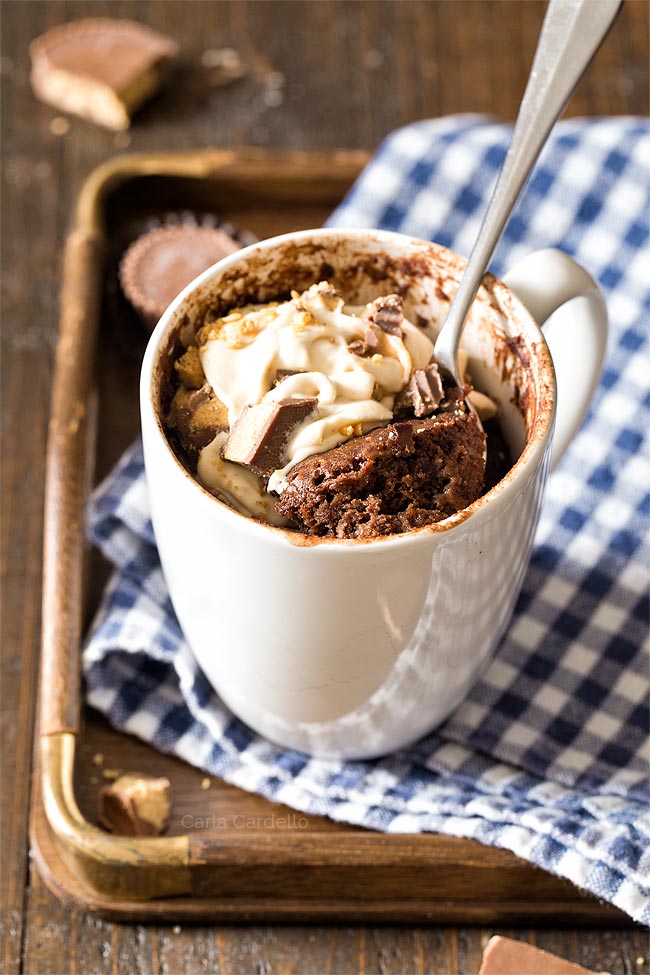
[550,282]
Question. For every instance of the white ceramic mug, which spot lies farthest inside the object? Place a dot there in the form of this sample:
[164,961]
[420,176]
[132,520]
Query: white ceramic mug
[353,648]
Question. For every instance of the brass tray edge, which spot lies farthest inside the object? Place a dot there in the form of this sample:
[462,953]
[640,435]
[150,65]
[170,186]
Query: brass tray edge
[203,163]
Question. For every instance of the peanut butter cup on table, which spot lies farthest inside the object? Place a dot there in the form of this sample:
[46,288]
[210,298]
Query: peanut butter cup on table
[100,68]
[159,264]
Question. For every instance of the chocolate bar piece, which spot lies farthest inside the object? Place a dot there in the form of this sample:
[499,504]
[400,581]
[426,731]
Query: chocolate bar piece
[423,393]
[282,374]
[504,956]
[99,68]
[388,313]
[135,805]
[261,433]
[366,346]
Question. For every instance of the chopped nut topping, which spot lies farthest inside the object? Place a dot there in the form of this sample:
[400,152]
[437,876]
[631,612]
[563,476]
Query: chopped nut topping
[328,295]
[351,430]
[302,319]
[237,330]
[238,325]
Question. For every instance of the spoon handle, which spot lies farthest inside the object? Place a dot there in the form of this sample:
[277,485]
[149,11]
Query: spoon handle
[571,34]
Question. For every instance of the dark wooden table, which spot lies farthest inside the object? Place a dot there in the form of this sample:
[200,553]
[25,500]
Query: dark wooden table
[322,75]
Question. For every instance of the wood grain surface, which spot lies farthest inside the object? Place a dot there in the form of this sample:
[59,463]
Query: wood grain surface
[322,75]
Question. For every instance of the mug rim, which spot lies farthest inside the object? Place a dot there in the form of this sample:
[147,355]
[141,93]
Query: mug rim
[536,442]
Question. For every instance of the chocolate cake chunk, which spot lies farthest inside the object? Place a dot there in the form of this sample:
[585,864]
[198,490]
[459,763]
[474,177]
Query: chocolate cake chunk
[393,479]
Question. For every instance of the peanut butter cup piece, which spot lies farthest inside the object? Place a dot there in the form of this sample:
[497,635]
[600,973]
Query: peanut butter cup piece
[135,805]
[260,435]
[189,368]
[504,956]
[197,416]
[99,68]
[422,394]
[387,312]
[158,265]
[365,346]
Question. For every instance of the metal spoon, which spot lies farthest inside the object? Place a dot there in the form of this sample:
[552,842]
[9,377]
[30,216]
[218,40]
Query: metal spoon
[571,34]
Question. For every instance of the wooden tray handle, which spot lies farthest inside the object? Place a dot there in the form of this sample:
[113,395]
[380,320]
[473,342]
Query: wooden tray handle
[67,480]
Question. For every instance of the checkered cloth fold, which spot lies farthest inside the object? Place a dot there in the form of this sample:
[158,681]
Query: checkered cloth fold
[548,755]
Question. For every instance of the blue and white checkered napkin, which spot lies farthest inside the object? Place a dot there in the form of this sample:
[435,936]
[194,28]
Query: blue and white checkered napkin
[547,756]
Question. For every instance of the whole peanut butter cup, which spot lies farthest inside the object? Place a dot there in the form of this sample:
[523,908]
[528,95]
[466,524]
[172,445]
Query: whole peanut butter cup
[158,265]
[99,68]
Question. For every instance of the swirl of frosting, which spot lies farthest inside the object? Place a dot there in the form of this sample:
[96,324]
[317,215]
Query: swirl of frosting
[312,346]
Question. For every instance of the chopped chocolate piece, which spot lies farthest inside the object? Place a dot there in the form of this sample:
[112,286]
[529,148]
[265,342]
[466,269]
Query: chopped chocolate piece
[135,805]
[390,480]
[158,265]
[283,374]
[423,393]
[260,434]
[189,368]
[455,399]
[197,417]
[329,295]
[99,68]
[504,956]
[388,314]
[366,346]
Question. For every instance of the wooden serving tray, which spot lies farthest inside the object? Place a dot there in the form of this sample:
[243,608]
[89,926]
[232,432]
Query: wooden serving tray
[229,854]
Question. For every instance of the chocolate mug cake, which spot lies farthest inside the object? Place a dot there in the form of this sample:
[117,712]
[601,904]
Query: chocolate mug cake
[349,644]
[328,418]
